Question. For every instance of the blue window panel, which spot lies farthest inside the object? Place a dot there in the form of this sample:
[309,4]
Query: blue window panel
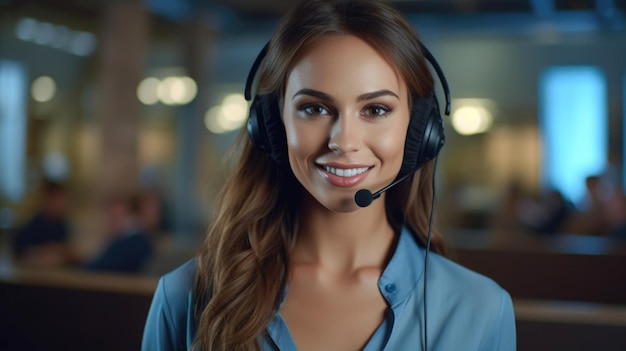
[13,102]
[573,118]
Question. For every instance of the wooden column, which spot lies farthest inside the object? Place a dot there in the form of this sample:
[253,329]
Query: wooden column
[196,38]
[122,52]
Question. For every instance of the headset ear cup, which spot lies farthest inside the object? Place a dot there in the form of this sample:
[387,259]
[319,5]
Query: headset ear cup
[274,128]
[266,129]
[434,137]
[425,135]
[256,126]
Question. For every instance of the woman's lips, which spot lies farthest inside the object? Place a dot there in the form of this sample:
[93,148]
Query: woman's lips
[344,175]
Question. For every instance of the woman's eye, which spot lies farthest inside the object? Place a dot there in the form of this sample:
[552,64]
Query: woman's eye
[377,110]
[314,110]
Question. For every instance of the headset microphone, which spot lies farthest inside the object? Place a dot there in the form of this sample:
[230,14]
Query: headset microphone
[364,197]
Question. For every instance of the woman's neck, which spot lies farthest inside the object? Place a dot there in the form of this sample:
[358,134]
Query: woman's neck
[343,242]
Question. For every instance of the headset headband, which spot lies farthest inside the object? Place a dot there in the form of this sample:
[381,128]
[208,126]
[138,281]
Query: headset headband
[253,70]
[429,57]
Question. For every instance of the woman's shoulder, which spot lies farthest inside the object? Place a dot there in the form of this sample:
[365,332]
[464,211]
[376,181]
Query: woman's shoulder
[180,280]
[175,290]
[448,275]
[463,305]
[467,289]
[472,303]
[457,277]
[168,325]
[456,274]
[454,284]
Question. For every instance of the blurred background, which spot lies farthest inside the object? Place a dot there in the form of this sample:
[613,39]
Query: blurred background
[116,118]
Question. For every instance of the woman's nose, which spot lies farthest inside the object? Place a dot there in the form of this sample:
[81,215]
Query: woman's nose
[345,136]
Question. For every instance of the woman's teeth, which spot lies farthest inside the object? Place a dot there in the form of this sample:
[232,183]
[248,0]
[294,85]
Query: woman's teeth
[348,172]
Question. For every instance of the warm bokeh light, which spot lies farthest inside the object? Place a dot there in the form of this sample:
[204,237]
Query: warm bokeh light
[43,89]
[235,109]
[164,90]
[188,91]
[212,118]
[230,115]
[177,90]
[471,119]
[147,91]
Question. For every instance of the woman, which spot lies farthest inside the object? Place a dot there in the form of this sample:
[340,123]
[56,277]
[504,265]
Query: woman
[291,261]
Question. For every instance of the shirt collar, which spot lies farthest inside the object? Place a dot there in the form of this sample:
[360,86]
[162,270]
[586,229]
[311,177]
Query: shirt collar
[398,281]
[404,270]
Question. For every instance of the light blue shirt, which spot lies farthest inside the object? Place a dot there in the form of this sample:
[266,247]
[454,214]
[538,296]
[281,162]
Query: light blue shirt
[466,311]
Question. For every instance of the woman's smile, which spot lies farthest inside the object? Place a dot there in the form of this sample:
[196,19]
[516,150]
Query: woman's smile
[343,175]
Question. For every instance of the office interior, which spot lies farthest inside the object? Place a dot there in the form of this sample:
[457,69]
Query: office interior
[146,97]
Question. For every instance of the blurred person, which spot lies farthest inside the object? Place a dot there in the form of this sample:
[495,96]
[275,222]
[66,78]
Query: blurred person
[506,217]
[43,241]
[150,213]
[129,243]
[293,259]
[548,214]
[594,218]
[506,226]
[616,216]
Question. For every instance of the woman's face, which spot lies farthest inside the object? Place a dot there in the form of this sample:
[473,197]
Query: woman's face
[346,114]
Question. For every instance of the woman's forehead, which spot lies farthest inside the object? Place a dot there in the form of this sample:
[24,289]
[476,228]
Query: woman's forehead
[345,61]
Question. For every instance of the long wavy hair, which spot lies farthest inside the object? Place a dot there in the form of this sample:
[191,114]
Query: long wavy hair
[242,265]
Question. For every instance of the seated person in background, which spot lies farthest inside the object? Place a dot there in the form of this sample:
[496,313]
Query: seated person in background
[129,246]
[594,219]
[43,240]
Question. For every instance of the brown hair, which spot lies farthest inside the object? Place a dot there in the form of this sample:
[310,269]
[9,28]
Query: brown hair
[242,265]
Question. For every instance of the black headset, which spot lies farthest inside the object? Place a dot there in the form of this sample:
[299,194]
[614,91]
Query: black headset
[425,135]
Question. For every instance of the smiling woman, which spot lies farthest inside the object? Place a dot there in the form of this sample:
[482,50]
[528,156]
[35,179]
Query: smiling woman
[344,128]
[345,102]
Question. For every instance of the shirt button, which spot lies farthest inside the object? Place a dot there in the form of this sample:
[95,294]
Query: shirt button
[390,288]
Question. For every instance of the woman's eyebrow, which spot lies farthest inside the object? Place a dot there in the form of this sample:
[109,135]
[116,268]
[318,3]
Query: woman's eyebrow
[323,96]
[315,93]
[375,94]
